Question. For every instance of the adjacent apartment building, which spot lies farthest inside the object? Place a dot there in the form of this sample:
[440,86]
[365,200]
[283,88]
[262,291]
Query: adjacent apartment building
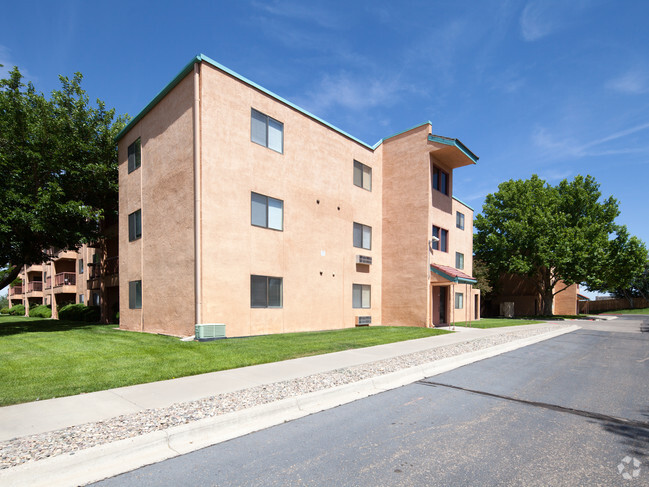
[237,207]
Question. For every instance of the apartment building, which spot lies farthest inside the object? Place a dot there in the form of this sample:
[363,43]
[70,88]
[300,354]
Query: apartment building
[88,275]
[237,207]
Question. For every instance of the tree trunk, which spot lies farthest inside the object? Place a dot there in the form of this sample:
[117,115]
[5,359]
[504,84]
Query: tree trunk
[11,277]
[547,299]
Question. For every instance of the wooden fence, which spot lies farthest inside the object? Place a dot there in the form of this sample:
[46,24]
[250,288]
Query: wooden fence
[586,307]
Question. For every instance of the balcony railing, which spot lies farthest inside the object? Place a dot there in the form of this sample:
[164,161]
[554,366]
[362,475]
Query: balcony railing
[48,282]
[65,279]
[15,290]
[34,286]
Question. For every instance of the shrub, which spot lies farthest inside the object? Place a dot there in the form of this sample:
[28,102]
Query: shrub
[18,310]
[79,312]
[40,311]
[4,311]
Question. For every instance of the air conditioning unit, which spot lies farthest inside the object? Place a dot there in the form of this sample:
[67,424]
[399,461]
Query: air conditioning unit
[364,259]
[209,331]
[363,320]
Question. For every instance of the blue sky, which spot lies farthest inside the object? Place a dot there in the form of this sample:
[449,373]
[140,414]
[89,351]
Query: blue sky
[556,88]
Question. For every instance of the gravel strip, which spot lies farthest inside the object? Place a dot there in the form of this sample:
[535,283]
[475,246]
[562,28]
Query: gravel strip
[75,438]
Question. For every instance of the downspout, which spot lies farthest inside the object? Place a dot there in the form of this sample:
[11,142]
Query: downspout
[197,196]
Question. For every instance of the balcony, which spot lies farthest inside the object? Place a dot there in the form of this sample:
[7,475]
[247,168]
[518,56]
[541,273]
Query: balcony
[15,291]
[65,282]
[109,273]
[34,286]
[48,282]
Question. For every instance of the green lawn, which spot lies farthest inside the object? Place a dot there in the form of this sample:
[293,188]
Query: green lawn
[498,322]
[637,311]
[41,359]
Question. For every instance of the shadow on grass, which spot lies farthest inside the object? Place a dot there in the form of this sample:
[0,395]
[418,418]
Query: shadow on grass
[13,325]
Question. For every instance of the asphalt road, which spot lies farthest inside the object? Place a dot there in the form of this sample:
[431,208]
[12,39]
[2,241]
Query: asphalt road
[570,411]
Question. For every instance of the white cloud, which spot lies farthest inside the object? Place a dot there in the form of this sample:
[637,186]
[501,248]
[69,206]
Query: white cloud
[541,18]
[634,82]
[305,11]
[8,65]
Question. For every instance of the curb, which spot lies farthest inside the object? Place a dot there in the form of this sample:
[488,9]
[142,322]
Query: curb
[104,461]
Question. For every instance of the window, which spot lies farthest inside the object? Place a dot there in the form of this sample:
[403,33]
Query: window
[459,260]
[266,212]
[459,300]
[267,131]
[362,176]
[361,296]
[81,298]
[362,236]
[95,299]
[266,292]
[440,180]
[80,266]
[442,235]
[135,294]
[134,156]
[135,225]
[459,220]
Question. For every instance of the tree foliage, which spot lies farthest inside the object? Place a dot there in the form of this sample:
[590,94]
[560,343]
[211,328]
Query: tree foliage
[58,159]
[554,234]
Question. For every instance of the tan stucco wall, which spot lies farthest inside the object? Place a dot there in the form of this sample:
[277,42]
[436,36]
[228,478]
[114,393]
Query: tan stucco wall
[317,165]
[162,188]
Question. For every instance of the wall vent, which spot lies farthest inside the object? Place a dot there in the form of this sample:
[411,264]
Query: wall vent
[363,320]
[364,259]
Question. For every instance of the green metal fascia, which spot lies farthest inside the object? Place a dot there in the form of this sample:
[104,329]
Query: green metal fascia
[454,143]
[159,96]
[460,201]
[457,280]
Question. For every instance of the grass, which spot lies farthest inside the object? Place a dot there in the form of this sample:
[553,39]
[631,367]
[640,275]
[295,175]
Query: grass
[498,322]
[636,311]
[42,359]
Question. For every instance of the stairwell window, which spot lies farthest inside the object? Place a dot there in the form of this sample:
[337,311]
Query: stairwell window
[266,212]
[134,156]
[459,220]
[361,296]
[440,180]
[441,240]
[135,225]
[362,176]
[459,260]
[266,292]
[80,266]
[362,236]
[266,131]
[459,300]
[135,294]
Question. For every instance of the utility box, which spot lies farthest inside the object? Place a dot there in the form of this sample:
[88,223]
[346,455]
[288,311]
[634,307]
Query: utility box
[507,309]
[209,331]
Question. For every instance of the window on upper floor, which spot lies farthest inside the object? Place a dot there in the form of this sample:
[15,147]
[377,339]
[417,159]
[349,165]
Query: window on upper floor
[459,220]
[266,212]
[459,260]
[440,180]
[80,266]
[440,242]
[135,225]
[361,296]
[135,295]
[362,236]
[134,156]
[459,300]
[266,131]
[362,176]
[266,292]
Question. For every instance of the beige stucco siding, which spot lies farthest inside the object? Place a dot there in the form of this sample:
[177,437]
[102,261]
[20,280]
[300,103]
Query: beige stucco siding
[162,189]
[314,179]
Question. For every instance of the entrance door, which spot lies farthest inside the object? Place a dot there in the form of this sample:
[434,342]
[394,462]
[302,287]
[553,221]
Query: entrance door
[442,304]
[475,308]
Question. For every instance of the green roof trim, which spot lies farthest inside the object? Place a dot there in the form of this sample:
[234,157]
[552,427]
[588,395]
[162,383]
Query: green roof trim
[457,280]
[454,143]
[462,202]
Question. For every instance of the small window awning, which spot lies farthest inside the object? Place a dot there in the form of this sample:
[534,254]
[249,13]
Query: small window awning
[452,274]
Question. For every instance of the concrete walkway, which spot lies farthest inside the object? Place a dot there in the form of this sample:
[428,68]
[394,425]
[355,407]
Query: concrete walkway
[53,414]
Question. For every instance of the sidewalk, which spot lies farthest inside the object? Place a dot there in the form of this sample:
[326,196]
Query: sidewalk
[37,418]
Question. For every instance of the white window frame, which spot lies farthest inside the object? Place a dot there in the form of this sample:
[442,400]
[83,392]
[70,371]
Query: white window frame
[459,300]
